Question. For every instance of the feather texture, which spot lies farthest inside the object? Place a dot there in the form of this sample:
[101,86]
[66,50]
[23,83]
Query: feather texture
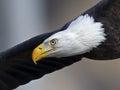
[17,68]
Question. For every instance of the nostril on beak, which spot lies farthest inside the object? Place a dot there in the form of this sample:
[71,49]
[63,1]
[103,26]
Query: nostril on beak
[40,48]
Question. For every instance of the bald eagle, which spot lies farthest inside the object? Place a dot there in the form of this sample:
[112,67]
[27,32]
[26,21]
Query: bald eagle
[81,36]
[95,34]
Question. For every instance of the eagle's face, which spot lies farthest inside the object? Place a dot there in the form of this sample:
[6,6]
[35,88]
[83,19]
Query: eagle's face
[80,37]
[57,45]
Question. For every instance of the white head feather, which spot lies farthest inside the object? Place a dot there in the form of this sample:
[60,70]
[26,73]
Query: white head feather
[81,36]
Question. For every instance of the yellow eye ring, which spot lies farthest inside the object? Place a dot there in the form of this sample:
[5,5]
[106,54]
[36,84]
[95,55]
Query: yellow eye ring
[53,42]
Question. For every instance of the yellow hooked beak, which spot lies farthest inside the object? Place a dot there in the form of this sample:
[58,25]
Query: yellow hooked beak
[39,52]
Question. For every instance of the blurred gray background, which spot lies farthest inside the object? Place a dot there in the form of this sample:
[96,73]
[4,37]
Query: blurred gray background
[23,19]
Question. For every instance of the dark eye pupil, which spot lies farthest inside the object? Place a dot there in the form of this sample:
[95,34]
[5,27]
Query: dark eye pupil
[53,42]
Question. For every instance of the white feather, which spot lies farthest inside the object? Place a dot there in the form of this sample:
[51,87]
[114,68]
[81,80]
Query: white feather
[82,35]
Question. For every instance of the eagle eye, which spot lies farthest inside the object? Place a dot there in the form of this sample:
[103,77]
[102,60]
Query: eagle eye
[53,42]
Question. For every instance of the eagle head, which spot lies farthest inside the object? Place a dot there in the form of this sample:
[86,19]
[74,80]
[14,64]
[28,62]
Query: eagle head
[82,35]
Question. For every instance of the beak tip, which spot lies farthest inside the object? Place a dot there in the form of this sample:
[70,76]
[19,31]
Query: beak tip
[34,57]
[35,62]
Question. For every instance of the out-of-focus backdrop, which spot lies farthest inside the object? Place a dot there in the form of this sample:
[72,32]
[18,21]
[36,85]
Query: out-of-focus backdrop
[23,19]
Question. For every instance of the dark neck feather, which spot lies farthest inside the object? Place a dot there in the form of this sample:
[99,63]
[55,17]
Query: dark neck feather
[107,12]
